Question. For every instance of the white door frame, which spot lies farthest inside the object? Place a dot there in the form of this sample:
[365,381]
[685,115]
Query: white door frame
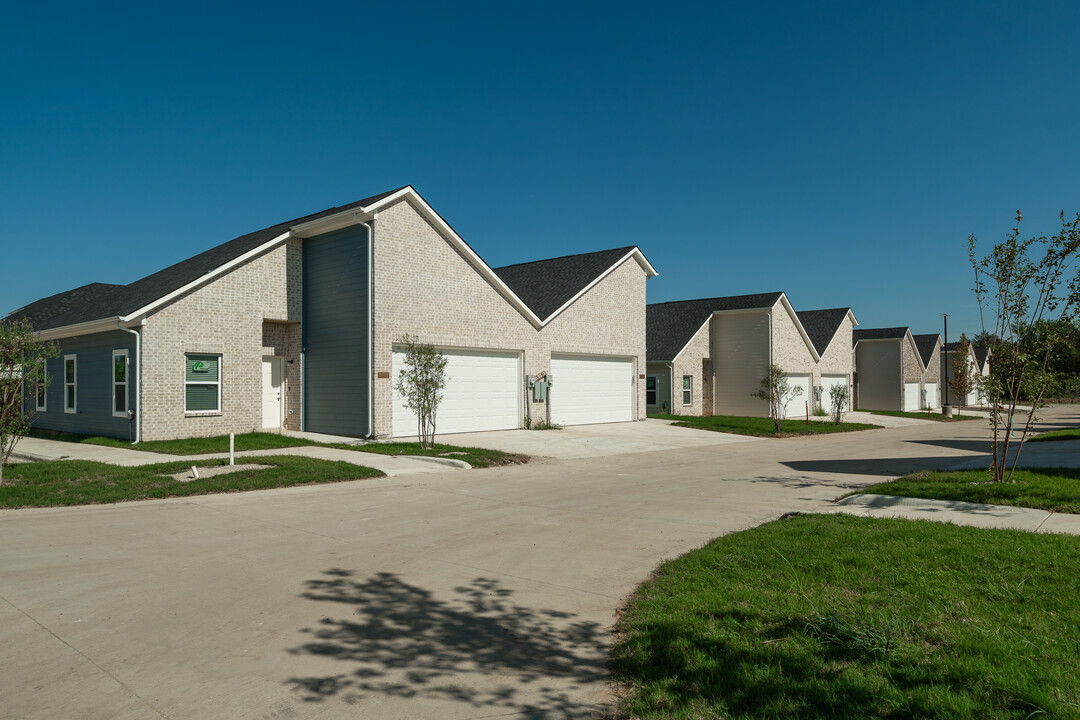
[280,362]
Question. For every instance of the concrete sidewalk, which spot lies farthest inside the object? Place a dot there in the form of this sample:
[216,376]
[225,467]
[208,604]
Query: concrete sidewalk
[960,513]
[40,450]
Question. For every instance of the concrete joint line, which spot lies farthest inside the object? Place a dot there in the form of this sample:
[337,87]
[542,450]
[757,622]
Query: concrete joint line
[88,659]
[1038,527]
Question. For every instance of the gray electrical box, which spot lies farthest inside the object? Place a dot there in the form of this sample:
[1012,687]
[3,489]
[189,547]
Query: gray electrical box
[540,390]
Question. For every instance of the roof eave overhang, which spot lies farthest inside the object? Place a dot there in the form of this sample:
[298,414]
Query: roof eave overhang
[696,333]
[634,253]
[798,325]
[836,332]
[84,328]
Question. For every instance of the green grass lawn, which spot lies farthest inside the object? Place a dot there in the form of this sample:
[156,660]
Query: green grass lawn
[835,616]
[81,482]
[761,427]
[922,415]
[1056,489]
[1066,434]
[477,457]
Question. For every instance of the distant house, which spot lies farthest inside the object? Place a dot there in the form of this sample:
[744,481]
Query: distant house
[929,347]
[707,356]
[830,331]
[298,326]
[889,369]
[978,360]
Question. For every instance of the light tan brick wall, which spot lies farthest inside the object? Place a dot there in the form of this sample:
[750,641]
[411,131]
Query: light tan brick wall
[933,368]
[789,349]
[912,365]
[224,317]
[425,287]
[839,359]
[689,363]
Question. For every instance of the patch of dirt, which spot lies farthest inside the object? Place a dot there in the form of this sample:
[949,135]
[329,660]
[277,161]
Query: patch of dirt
[205,472]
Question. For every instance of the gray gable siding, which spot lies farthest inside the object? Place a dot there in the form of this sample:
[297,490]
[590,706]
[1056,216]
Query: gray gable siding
[336,311]
[879,375]
[94,388]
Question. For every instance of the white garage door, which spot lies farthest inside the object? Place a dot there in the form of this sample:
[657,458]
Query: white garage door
[796,406]
[932,400]
[588,390]
[828,382]
[911,397]
[481,393]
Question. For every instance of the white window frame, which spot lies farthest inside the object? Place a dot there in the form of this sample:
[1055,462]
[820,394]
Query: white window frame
[74,384]
[655,390]
[685,390]
[217,382]
[113,384]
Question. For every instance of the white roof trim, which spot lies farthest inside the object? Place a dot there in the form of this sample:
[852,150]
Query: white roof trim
[220,270]
[83,328]
[799,326]
[703,326]
[915,349]
[854,322]
[635,253]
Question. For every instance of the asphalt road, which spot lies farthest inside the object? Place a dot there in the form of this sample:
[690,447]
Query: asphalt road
[457,594]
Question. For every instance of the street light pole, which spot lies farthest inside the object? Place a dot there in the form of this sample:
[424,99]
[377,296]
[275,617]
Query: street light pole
[945,409]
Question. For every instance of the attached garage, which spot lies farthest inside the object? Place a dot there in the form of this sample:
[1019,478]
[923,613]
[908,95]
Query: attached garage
[482,393]
[796,406]
[911,397]
[828,382]
[591,389]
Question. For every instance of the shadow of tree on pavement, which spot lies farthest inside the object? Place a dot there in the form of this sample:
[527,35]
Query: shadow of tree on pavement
[477,647]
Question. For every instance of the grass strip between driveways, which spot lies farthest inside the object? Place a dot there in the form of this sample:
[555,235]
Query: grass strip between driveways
[922,415]
[761,427]
[82,482]
[1066,434]
[477,457]
[1055,489]
[834,616]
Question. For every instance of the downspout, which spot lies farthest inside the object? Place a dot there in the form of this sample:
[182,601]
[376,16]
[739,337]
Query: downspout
[371,326]
[671,386]
[138,375]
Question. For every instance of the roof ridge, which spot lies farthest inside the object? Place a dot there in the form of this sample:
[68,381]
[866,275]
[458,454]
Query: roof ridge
[566,257]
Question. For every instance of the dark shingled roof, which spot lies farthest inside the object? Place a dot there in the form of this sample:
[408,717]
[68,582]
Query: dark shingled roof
[981,354]
[926,345]
[893,333]
[98,301]
[546,285]
[821,325]
[669,326]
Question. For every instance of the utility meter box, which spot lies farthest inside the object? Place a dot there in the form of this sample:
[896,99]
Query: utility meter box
[540,390]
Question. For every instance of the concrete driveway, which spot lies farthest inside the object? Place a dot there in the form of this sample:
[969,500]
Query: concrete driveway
[486,593]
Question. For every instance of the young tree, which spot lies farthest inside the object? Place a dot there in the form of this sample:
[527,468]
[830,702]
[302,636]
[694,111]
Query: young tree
[22,377]
[839,394]
[776,391]
[420,384]
[962,381]
[1025,284]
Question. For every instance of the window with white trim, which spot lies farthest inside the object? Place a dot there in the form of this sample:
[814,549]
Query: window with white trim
[39,385]
[70,389]
[120,383]
[687,390]
[202,383]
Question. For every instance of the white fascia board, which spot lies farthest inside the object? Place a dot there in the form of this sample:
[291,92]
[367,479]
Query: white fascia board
[854,322]
[84,328]
[915,349]
[703,326]
[635,253]
[802,331]
[216,272]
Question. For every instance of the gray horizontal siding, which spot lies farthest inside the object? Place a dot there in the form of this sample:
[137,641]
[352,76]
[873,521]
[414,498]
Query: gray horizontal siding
[94,386]
[337,389]
[879,376]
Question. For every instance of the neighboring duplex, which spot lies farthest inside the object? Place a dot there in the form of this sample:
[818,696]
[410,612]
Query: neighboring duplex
[299,325]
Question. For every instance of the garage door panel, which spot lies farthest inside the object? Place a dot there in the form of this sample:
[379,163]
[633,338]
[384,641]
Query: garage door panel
[588,390]
[911,397]
[932,399]
[482,393]
[796,406]
[827,384]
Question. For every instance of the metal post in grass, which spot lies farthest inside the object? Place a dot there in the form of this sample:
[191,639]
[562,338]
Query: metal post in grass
[232,449]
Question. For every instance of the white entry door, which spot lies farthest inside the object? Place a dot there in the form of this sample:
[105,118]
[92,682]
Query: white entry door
[911,397]
[483,392]
[796,405]
[932,400]
[273,393]
[586,390]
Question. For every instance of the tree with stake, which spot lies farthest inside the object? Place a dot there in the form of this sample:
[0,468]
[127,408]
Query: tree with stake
[1025,283]
[776,391]
[22,381]
[839,394]
[962,381]
[420,384]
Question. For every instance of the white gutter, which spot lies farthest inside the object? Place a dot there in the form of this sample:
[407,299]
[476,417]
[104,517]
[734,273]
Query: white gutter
[138,374]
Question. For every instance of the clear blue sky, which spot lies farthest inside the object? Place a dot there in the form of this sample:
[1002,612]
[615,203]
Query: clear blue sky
[841,152]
